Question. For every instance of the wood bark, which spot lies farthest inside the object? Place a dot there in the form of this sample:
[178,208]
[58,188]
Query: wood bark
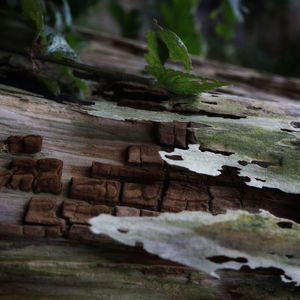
[50,252]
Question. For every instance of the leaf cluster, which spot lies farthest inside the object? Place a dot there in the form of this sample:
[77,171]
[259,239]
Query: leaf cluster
[164,44]
[51,35]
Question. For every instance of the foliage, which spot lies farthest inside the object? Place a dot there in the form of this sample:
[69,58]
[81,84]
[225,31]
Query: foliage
[166,44]
[79,8]
[177,49]
[51,23]
[33,11]
[226,15]
[183,83]
[179,16]
[129,21]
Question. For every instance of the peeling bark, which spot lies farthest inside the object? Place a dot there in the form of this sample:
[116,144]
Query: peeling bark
[111,150]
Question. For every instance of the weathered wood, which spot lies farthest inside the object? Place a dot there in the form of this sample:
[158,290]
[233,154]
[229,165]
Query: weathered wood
[105,132]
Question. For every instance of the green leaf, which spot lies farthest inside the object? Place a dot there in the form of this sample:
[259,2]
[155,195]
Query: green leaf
[157,51]
[177,49]
[182,83]
[33,11]
[180,17]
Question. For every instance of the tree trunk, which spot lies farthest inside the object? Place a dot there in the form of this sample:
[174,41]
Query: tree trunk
[248,158]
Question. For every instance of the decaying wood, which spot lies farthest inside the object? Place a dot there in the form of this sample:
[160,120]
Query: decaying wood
[104,159]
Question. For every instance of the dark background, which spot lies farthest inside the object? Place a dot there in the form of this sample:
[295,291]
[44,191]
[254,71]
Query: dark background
[267,39]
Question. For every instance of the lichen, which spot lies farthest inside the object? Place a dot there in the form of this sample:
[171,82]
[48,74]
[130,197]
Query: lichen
[191,238]
[285,176]
[110,110]
[229,104]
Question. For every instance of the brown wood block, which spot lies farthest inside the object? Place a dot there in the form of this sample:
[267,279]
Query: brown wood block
[50,165]
[5,176]
[24,166]
[15,144]
[80,212]
[224,197]
[43,211]
[48,182]
[142,195]
[180,130]
[182,196]
[22,182]
[165,133]
[172,134]
[89,189]
[150,155]
[134,155]
[49,176]
[95,190]
[127,173]
[30,144]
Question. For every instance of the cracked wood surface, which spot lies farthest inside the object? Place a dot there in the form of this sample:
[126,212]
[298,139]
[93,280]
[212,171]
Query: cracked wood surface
[115,135]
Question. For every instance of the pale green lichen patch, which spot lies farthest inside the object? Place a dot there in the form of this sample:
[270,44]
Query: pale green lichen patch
[250,142]
[206,162]
[229,105]
[110,110]
[191,238]
[251,138]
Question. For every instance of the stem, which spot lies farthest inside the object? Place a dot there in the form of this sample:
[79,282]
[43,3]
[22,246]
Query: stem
[103,72]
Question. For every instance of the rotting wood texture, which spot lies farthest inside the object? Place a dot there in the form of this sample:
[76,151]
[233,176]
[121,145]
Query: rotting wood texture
[105,158]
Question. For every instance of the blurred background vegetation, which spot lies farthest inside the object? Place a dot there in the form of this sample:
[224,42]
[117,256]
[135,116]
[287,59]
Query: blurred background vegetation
[264,35]
[38,38]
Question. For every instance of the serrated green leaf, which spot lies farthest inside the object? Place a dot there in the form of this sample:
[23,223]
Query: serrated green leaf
[182,83]
[33,11]
[157,51]
[176,47]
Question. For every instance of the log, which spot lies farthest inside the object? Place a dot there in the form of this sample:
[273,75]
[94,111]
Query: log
[140,155]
